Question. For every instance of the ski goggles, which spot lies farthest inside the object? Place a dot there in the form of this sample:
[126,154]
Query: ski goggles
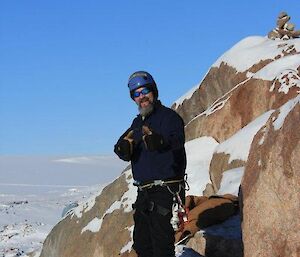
[144,91]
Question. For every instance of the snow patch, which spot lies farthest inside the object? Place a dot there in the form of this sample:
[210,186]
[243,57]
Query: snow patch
[125,202]
[238,146]
[275,68]
[251,50]
[129,245]
[84,206]
[199,154]
[231,180]
[94,225]
[261,141]
[217,106]
[284,111]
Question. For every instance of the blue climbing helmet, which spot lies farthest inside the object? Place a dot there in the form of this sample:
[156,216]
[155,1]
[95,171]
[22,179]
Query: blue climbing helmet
[142,79]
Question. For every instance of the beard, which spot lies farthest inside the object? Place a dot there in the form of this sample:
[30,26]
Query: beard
[145,111]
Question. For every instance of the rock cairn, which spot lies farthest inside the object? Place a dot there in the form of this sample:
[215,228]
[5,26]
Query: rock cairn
[284,30]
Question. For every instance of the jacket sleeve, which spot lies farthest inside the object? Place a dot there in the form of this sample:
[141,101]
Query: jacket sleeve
[173,132]
[121,156]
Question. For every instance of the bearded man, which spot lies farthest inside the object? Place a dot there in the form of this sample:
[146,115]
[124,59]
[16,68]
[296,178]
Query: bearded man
[154,143]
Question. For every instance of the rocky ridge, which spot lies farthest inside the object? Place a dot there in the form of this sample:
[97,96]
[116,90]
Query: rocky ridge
[233,105]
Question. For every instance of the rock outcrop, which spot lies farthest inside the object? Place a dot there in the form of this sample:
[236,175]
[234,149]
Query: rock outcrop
[246,101]
[270,187]
[242,92]
[210,89]
[284,30]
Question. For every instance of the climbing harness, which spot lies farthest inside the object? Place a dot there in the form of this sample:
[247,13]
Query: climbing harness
[156,183]
[179,211]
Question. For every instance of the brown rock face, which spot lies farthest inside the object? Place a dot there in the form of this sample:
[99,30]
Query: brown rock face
[66,239]
[271,190]
[212,87]
[240,106]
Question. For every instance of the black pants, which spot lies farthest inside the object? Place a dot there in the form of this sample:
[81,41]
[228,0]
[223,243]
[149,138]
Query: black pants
[153,234]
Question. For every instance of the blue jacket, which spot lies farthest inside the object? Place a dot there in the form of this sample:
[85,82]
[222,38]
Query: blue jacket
[165,164]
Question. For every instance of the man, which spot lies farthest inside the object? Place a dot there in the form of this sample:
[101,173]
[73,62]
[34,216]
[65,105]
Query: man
[154,144]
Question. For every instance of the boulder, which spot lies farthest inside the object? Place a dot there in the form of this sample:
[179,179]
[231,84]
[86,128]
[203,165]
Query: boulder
[222,240]
[270,187]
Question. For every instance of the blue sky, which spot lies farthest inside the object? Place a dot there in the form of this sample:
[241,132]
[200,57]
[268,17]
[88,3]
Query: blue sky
[64,64]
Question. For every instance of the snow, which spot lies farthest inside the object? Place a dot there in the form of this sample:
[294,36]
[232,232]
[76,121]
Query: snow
[26,220]
[216,106]
[231,180]
[251,50]
[199,153]
[128,246]
[284,111]
[93,226]
[35,190]
[84,207]
[238,146]
[287,80]
[273,69]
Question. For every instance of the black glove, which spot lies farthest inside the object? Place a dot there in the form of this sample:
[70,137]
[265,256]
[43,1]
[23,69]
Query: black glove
[124,147]
[152,140]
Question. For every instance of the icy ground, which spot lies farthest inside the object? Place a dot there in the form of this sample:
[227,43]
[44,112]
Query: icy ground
[25,220]
[35,190]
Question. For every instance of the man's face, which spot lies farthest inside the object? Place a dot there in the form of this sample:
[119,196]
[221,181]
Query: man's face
[143,101]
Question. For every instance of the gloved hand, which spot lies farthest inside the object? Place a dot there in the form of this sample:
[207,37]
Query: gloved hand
[152,140]
[124,148]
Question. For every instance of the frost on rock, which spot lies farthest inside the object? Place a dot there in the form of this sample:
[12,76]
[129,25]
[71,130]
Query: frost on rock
[286,79]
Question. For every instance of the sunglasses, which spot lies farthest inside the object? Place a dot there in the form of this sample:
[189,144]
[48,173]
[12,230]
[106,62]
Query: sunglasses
[145,91]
